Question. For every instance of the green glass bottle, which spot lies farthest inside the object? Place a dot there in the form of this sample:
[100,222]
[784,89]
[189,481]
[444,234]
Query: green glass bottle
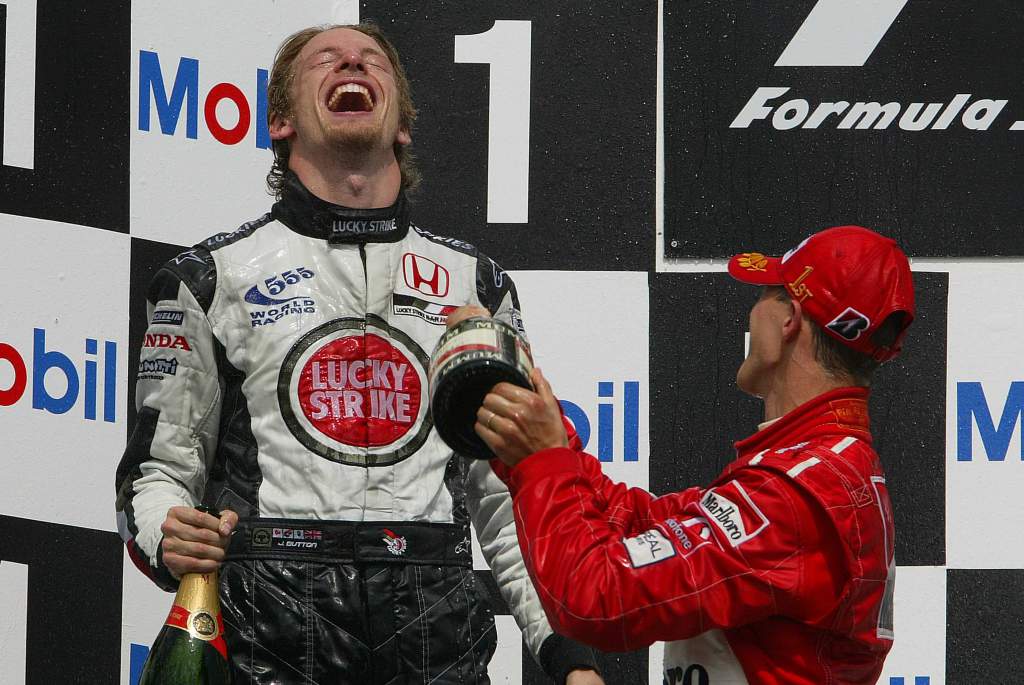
[190,649]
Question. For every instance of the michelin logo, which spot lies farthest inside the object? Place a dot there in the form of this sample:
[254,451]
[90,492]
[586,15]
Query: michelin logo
[167,316]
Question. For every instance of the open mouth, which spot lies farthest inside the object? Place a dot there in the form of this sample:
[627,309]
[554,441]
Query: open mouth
[350,97]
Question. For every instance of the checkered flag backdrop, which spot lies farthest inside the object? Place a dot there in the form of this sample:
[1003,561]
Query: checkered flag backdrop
[611,156]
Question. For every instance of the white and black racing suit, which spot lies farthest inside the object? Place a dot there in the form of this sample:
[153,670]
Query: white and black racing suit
[283,376]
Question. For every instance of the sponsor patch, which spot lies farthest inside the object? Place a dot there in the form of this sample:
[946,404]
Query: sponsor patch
[354,391]
[165,341]
[291,539]
[396,543]
[850,324]
[648,548]
[730,509]
[267,317]
[692,533]
[279,306]
[261,538]
[753,261]
[425,275]
[431,312]
[168,316]
[157,369]
[517,320]
[344,228]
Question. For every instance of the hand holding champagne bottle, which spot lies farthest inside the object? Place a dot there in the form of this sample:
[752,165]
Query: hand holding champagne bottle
[195,539]
[190,649]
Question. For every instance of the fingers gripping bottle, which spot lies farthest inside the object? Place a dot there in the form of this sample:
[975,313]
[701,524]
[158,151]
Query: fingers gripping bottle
[190,649]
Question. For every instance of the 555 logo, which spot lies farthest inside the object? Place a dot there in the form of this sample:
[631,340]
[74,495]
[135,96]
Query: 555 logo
[273,305]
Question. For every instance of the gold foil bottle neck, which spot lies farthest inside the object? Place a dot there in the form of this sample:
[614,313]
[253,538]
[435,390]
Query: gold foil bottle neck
[199,602]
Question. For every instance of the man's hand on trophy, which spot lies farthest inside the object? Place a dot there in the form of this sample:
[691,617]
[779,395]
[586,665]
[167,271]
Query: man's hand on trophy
[464,312]
[515,422]
[194,542]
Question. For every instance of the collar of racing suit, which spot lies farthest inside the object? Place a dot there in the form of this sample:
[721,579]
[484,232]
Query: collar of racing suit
[305,213]
[838,412]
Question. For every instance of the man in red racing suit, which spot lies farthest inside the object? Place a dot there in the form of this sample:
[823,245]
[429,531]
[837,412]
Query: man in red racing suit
[782,571]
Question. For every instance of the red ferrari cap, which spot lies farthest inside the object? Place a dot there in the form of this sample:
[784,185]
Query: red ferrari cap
[848,279]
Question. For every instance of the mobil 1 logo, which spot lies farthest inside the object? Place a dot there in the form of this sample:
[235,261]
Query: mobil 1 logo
[65,94]
[536,123]
[794,115]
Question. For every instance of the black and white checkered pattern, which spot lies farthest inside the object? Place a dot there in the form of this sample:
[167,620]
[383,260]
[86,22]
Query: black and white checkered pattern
[660,137]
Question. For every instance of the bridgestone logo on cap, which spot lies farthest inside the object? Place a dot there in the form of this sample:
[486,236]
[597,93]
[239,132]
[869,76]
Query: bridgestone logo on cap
[850,324]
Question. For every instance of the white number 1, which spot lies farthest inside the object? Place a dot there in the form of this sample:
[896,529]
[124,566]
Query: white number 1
[506,48]
[20,84]
[13,622]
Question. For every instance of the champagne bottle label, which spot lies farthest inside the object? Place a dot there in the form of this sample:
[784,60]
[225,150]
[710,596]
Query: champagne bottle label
[196,610]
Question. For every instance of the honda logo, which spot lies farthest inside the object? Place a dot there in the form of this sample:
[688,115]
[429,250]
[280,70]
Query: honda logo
[425,275]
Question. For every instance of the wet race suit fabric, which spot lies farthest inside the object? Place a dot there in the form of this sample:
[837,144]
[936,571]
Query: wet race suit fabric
[781,572]
[283,376]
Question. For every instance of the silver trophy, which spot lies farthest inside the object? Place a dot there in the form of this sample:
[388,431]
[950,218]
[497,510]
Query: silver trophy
[470,359]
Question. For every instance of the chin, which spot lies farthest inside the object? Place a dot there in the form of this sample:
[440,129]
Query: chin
[356,139]
[745,379]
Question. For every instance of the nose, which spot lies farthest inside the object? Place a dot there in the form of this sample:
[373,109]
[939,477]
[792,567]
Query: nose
[350,60]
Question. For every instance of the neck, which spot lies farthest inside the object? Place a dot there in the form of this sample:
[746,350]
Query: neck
[783,400]
[799,378]
[366,182]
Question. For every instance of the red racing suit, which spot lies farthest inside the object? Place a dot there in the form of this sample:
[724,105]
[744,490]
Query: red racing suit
[781,571]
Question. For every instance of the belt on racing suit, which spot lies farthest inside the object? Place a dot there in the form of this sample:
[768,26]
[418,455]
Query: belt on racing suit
[376,542]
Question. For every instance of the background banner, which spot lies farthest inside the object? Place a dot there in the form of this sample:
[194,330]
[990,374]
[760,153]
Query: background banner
[610,157]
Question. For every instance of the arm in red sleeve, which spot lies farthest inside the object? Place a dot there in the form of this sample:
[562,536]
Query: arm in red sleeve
[619,569]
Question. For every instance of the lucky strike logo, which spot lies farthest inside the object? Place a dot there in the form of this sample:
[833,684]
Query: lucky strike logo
[353,390]
[359,390]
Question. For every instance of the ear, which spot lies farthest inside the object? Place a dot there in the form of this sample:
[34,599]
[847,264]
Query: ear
[794,322]
[280,127]
[403,137]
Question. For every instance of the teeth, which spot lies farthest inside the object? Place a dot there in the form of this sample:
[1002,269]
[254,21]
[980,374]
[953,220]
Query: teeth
[350,88]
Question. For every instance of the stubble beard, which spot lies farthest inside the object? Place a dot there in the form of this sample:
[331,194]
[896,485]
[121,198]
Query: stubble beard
[354,140]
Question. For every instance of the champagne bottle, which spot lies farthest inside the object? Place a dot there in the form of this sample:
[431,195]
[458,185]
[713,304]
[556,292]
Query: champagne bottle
[190,649]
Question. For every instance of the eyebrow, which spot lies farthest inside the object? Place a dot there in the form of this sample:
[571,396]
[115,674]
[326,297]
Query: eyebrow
[365,51]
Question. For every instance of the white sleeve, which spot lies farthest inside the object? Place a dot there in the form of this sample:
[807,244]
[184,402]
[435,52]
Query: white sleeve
[178,397]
